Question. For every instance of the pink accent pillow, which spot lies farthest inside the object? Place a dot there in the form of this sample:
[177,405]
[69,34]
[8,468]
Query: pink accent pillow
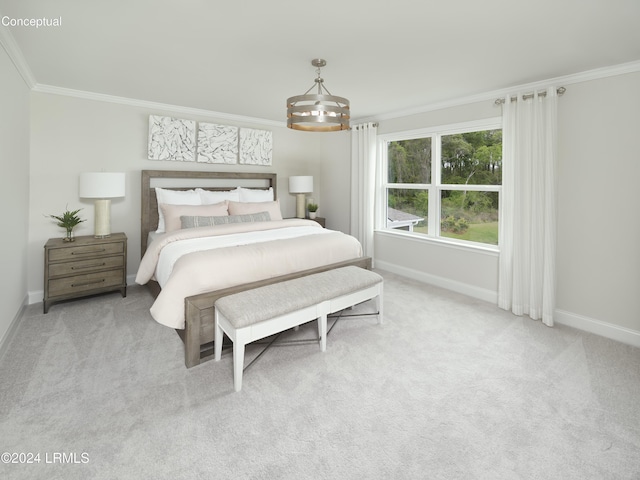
[172,213]
[246,208]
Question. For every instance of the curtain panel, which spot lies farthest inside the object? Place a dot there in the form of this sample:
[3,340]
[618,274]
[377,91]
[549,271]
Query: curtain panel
[364,140]
[527,238]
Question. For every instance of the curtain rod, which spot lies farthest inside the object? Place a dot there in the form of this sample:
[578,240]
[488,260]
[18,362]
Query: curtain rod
[358,127]
[500,101]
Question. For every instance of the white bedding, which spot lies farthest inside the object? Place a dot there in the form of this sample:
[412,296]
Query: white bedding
[173,251]
[198,260]
[152,236]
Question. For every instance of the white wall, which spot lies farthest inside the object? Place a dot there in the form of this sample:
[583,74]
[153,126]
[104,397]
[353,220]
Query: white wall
[598,269]
[335,180]
[70,135]
[14,192]
[598,220]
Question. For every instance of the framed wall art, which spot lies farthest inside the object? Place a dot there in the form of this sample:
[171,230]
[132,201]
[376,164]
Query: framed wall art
[256,147]
[172,139]
[217,143]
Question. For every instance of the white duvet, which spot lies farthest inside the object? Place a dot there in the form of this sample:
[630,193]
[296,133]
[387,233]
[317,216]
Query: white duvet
[198,260]
[173,251]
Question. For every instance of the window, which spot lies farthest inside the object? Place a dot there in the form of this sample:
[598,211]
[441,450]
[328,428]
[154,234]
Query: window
[445,182]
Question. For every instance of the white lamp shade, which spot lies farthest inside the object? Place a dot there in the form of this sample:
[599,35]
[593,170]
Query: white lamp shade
[101,185]
[303,184]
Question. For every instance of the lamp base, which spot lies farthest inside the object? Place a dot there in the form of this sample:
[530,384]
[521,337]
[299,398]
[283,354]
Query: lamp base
[102,218]
[300,205]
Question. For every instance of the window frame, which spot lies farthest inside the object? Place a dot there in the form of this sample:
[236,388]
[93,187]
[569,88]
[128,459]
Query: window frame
[434,188]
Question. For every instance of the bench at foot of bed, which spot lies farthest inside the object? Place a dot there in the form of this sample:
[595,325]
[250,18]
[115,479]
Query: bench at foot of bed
[199,331]
[254,314]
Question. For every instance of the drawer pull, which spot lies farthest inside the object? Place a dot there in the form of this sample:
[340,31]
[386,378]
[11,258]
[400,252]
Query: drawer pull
[87,283]
[89,266]
[89,252]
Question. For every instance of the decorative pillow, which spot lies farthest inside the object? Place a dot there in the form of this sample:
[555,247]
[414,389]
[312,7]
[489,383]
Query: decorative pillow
[244,208]
[192,222]
[174,197]
[172,213]
[209,197]
[255,195]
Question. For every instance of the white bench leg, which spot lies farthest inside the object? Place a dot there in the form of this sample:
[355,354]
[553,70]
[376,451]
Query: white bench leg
[379,304]
[238,365]
[219,336]
[322,332]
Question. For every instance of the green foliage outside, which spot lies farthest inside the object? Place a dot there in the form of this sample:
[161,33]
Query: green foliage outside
[477,232]
[473,158]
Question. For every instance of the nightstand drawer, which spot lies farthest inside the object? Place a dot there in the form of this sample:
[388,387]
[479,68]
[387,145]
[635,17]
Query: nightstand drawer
[77,253]
[82,283]
[89,265]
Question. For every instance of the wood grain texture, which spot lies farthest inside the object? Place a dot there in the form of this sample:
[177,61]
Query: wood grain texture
[86,266]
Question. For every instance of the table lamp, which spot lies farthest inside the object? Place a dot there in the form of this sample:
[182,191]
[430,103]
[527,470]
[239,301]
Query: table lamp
[102,186]
[300,186]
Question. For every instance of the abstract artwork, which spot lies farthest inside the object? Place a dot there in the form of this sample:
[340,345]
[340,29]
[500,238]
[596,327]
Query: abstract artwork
[171,139]
[256,146]
[217,143]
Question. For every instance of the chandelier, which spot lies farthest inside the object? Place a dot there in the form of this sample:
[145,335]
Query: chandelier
[318,112]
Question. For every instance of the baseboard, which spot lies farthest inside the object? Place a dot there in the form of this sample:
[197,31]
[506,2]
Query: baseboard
[598,327]
[5,341]
[586,324]
[36,296]
[459,287]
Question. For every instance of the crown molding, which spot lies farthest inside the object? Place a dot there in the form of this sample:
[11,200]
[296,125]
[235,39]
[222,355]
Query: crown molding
[586,76]
[15,54]
[132,102]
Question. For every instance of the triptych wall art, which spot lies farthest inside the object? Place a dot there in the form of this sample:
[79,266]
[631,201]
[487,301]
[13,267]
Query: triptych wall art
[177,140]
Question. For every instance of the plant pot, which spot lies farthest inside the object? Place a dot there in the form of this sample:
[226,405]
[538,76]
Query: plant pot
[69,237]
[312,215]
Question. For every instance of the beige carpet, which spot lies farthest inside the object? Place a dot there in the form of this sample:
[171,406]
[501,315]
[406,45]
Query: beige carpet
[447,388]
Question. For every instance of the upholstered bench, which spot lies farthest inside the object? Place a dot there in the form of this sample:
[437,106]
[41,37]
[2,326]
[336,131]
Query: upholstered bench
[258,313]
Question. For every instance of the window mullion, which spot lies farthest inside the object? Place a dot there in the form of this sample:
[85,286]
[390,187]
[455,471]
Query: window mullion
[434,191]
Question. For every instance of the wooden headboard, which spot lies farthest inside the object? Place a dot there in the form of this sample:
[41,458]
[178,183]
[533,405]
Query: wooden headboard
[185,180]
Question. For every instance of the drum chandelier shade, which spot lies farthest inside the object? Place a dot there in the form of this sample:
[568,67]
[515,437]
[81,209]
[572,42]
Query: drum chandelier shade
[318,112]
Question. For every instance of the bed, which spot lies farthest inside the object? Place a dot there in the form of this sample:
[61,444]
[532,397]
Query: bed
[251,263]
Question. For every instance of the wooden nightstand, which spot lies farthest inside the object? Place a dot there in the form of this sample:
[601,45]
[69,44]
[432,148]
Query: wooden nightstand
[84,267]
[320,220]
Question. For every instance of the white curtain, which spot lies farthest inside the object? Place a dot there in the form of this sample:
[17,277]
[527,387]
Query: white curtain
[528,211]
[363,182]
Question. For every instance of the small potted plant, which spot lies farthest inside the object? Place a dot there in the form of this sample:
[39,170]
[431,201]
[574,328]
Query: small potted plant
[313,209]
[68,220]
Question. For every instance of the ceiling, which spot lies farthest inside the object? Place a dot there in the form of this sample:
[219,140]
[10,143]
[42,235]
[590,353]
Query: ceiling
[246,57]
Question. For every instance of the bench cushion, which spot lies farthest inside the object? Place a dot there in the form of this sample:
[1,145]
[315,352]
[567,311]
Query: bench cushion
[259,304]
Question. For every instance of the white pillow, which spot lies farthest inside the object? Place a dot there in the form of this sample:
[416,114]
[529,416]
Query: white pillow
[245,208]
[209,197]
[174,197]
[172,213]
[255,195]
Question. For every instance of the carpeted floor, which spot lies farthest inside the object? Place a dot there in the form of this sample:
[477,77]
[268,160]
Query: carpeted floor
[447,388]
